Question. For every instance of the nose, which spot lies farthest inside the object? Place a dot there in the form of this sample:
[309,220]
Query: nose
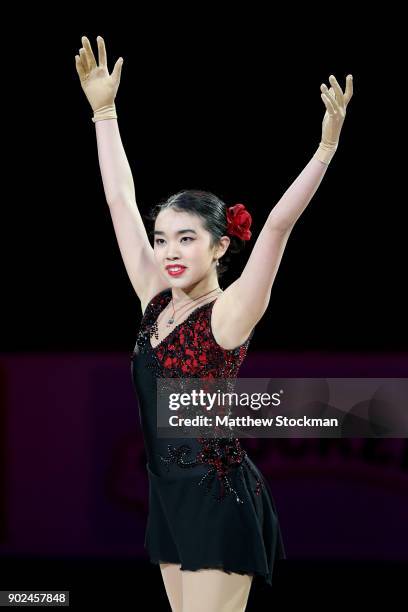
[171,250]
[171,255]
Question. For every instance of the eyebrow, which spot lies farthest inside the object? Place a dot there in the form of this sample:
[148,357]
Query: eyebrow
[183,231]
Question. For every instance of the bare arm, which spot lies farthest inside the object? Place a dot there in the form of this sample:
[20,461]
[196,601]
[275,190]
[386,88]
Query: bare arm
[245,301]
[133,241]
[116,173]
[101,88]
[253,288]
[295,199]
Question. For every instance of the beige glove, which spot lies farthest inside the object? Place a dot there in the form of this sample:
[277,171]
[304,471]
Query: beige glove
[99,86]
[336,104]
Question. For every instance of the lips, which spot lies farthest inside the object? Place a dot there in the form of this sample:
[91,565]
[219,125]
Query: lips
[175,270]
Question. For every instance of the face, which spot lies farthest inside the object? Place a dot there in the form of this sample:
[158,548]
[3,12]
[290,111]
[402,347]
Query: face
[181,240]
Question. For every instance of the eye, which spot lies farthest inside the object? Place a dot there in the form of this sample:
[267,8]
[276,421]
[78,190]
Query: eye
[161,240]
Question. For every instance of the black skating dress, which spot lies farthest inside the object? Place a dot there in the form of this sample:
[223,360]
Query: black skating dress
[209,505]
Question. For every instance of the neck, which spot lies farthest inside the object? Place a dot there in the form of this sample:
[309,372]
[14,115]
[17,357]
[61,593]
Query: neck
[186,294]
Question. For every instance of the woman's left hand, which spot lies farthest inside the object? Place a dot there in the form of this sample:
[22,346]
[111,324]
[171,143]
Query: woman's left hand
[336,104]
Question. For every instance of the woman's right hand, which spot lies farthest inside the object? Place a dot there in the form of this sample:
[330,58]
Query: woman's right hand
[99,86]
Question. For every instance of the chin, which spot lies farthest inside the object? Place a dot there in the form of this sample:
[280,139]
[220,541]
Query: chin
[178,282]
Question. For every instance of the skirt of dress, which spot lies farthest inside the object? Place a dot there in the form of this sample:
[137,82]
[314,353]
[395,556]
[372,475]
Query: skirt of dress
[186,525]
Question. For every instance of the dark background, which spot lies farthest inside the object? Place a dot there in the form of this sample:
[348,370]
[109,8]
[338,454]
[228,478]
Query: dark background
[224,98]
[230,104]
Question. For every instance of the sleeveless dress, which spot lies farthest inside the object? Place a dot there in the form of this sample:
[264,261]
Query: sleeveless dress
[209,505]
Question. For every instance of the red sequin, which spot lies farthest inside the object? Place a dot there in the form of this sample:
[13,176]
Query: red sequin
[190,350]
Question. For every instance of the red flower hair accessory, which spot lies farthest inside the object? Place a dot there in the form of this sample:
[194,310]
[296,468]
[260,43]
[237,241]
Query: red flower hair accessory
[239,221]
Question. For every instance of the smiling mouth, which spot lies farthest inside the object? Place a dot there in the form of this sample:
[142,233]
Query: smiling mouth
[175,269]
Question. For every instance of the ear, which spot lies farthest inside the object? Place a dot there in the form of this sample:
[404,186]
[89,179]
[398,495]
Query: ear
[223,245]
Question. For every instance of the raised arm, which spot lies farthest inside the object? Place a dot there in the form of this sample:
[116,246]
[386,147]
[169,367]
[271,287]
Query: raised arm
[245,301]
[100,89]
[135,248]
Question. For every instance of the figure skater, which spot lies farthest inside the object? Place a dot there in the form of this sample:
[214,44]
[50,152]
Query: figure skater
[212,524]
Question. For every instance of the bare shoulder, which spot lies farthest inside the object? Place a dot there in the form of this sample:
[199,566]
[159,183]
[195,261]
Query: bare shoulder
[229,327]
[156,286]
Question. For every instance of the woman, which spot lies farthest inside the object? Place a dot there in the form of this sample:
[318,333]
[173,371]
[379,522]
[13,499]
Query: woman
[211,512]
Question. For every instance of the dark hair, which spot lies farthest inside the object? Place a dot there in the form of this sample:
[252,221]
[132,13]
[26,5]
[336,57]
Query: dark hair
[212,210]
